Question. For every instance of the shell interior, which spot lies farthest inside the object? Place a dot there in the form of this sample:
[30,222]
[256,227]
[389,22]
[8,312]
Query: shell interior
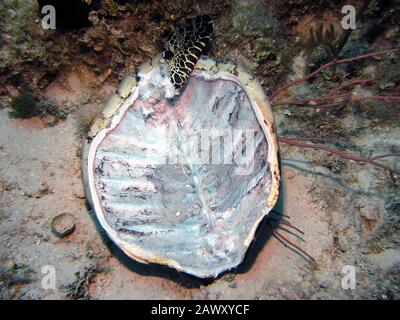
[183,181]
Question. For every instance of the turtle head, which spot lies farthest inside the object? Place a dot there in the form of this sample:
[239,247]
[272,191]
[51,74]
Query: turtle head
[184,47]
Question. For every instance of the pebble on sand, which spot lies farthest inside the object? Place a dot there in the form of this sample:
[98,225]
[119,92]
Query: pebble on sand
[63,224]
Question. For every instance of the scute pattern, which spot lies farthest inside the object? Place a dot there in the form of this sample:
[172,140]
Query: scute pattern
[184,47]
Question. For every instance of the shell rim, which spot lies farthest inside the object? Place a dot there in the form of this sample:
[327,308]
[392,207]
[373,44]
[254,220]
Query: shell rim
[263,112]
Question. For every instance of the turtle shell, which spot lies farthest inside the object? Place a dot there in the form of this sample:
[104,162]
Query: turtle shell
[184,180]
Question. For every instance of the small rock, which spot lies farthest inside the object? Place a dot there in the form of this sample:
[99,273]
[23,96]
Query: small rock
[63,224]
[229,277]
[233,285]
[287,113]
